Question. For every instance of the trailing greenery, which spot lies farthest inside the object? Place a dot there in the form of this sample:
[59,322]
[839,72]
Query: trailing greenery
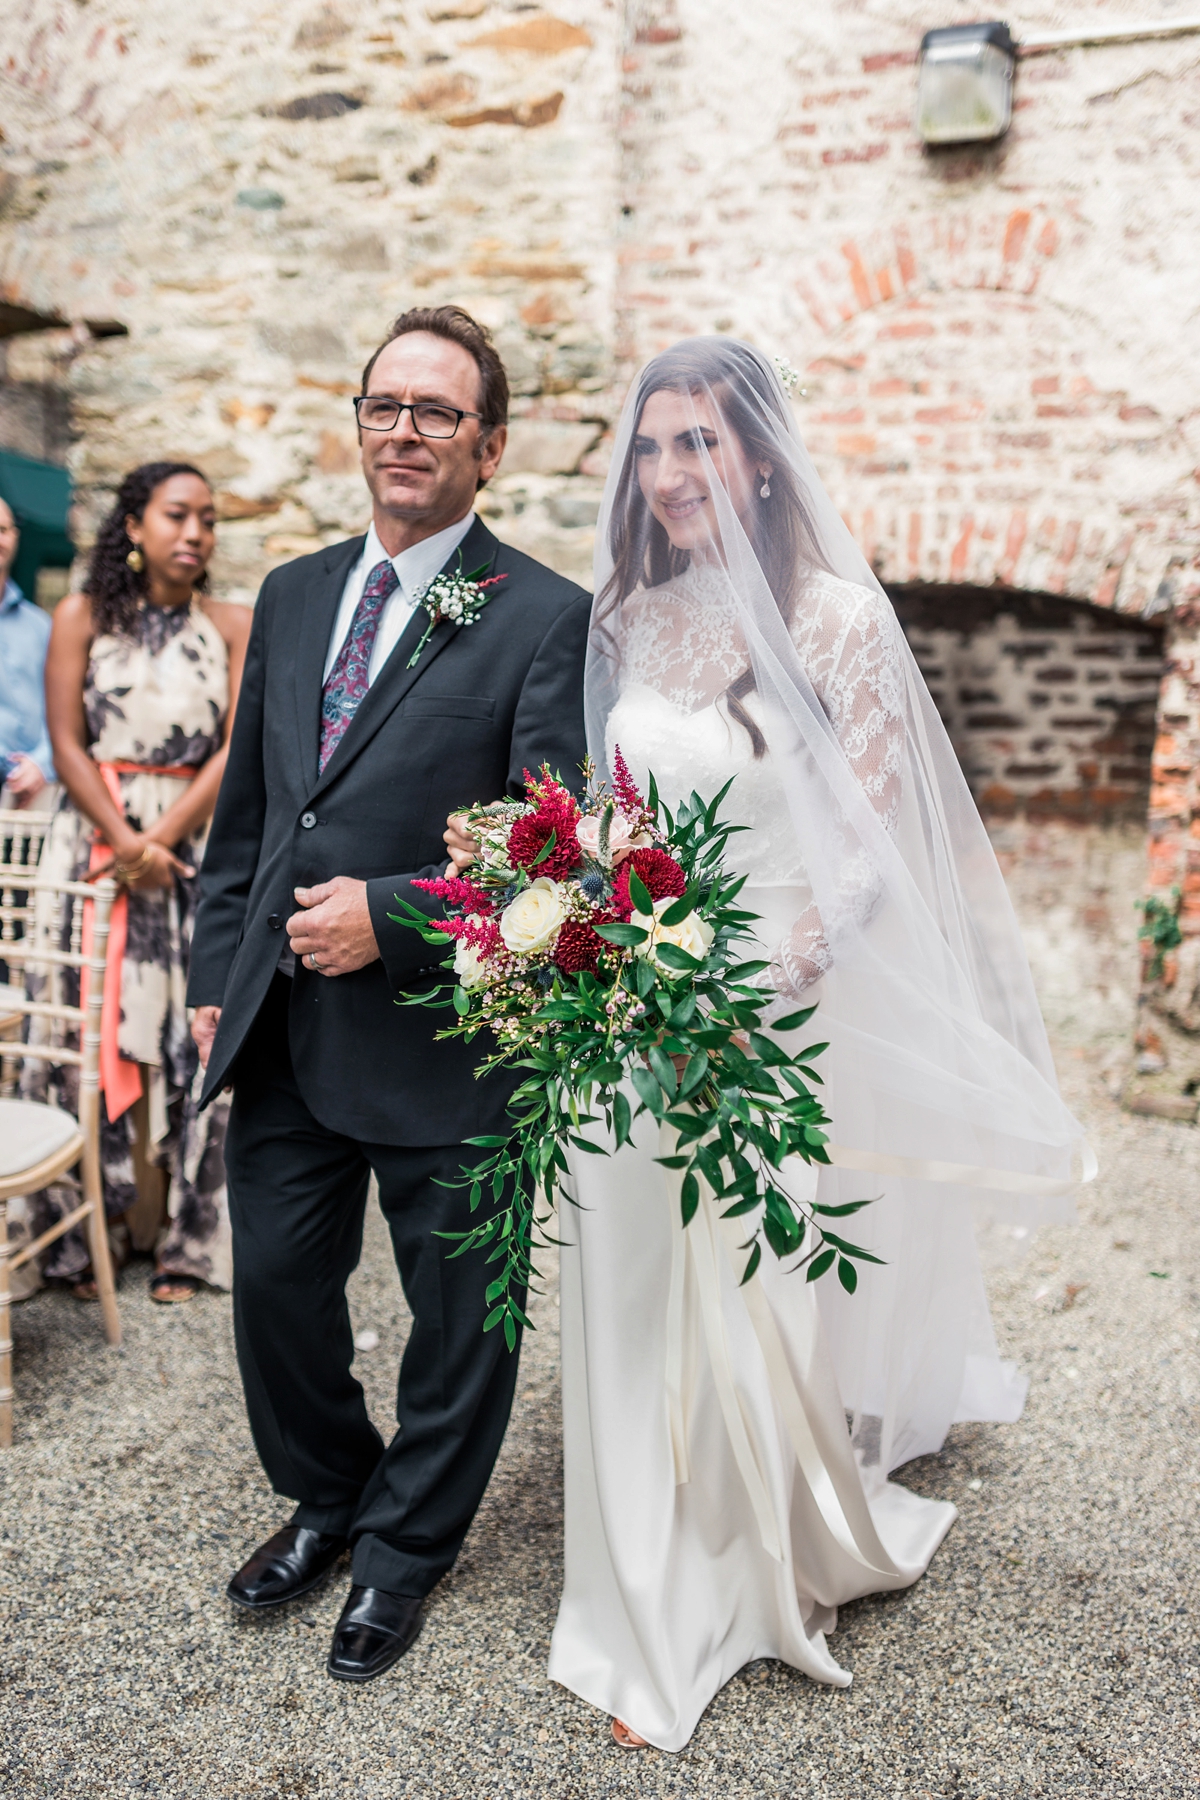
[686,1033]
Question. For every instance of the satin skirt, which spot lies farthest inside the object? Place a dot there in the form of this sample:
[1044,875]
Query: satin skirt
[715,1512]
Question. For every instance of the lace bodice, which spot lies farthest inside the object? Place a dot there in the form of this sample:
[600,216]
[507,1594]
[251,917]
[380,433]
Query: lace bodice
[681,646]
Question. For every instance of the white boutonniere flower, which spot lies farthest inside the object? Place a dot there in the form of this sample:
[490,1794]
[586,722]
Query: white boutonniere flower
[457,598]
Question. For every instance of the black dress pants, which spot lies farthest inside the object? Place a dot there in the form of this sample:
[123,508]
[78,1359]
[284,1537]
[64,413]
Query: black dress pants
[297,1196]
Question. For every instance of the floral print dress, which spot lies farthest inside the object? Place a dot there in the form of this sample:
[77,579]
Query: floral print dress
[156,697]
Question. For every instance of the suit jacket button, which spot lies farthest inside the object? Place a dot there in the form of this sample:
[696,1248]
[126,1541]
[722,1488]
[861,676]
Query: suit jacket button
[308,820]
[275,921]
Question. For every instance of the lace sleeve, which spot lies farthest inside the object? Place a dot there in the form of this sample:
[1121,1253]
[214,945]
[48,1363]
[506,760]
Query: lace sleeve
[859,683]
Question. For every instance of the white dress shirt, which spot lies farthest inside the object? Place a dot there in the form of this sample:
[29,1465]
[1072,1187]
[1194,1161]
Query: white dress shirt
[414,568]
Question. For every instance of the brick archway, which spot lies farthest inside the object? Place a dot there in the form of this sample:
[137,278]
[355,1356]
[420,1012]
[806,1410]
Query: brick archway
[974,431]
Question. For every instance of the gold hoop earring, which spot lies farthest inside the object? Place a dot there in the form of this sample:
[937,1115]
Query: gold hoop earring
[765,489]
[136,560]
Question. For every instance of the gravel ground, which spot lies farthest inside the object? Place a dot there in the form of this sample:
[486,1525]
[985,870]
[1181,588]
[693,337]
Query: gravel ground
[1051,1649]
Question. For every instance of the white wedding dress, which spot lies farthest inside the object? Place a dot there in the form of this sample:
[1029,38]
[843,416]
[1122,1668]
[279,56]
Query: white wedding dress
[717,1508]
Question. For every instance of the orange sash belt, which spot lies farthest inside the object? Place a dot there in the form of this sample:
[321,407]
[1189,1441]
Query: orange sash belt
[178,771]
[120,1079]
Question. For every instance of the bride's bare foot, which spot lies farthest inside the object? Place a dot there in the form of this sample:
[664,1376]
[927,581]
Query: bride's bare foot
[628,1740]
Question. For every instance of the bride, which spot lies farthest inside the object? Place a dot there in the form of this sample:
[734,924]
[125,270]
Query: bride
[727,1447]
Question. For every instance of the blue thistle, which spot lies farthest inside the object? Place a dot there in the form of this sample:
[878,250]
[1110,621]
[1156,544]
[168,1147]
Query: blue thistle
[592,886]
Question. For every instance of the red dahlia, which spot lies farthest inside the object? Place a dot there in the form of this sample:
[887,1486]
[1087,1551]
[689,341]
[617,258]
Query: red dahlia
[577,948]
[557,812]
[661,874]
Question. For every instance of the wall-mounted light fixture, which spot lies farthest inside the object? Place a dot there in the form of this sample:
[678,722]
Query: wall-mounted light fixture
[964,72]
[964,83]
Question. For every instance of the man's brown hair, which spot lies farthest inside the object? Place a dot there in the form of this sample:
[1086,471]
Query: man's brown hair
[453,323]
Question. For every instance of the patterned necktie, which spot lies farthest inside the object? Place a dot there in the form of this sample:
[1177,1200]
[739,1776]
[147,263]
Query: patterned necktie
[343,692]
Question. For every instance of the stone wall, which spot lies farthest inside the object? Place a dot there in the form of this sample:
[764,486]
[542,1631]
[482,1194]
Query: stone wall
[255,191]
[1050,704]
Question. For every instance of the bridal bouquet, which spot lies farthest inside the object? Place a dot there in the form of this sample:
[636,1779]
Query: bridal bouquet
[596,941]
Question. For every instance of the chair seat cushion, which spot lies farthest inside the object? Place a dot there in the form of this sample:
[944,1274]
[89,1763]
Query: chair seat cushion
[30,1132]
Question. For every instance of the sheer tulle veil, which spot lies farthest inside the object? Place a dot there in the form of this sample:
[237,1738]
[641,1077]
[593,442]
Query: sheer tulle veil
[939,1079]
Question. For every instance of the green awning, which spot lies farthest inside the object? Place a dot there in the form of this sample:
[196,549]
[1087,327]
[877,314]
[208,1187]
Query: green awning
[39,495]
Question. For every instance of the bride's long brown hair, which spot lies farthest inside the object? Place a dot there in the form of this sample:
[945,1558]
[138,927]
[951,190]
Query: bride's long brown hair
[744,387]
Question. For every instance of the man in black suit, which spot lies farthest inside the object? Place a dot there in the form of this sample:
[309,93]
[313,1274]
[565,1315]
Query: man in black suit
[345,759]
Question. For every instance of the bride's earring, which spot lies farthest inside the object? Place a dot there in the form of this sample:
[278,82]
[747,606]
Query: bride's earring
[765,489]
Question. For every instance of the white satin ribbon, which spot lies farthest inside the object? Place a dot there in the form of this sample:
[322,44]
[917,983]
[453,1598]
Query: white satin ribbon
[701,1243]
[1008,1181]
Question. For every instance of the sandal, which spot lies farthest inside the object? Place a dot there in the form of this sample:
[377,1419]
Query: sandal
[172,1290]
[628,1740]
[84,1288]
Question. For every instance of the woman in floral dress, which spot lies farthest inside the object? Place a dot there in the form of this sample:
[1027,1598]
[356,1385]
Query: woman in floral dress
[141,683]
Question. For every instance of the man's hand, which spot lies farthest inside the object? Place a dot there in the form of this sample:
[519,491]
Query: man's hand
[461,847]
[26,781]
[332,933]
[204,1030]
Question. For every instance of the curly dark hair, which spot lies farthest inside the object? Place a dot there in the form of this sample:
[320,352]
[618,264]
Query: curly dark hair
[113,588]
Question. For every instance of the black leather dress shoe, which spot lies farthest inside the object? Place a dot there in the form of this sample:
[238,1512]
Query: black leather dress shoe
[289,1564]
[374,1631]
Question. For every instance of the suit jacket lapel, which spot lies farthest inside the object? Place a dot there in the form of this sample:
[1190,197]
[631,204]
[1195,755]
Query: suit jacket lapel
[321,603]
[478,549]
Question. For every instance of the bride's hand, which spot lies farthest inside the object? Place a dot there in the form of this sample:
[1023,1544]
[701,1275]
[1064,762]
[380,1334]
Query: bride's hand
[461,847]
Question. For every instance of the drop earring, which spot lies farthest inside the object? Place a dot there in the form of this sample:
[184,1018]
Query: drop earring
[136,560]
[765,490]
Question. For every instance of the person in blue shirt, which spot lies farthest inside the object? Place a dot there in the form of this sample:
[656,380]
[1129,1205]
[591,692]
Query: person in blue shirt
[26,761]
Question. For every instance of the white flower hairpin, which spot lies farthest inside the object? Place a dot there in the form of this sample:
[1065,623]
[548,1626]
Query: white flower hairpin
[787,375]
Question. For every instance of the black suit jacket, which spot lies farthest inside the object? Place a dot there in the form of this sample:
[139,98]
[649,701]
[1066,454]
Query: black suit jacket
[484,703]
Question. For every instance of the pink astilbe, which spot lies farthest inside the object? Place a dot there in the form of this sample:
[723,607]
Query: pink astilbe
[457,890]
[626,792]
[478,934]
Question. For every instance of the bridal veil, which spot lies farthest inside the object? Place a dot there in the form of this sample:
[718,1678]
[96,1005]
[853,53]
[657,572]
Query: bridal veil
[939,1080]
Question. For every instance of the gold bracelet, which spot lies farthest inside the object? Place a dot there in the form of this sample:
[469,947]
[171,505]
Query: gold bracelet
[132,871]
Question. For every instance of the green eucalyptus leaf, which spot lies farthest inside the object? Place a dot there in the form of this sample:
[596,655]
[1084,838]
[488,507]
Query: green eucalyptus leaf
[639,893]
[462,1001]
[621,1118]
[648,1090]
[664,1068]
[695,1072]
[622,934]
[709,1166]
[582,1143]
[676,914]
[752,1263]
[847,1274]
[819,1265]
[672,957]
[795,1020]
[689,1198]
[546,848]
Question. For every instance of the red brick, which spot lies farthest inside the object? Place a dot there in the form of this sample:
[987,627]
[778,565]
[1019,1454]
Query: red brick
[868,153]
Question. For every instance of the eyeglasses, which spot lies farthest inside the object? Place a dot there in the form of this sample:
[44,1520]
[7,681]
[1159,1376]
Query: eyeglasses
[429,419]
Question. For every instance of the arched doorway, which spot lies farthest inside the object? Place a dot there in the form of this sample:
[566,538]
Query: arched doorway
[1051,705]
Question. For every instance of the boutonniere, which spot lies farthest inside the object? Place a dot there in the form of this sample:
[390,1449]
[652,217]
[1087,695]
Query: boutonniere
[457,597]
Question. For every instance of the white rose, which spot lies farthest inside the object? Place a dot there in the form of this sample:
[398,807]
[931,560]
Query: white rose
[621,837]
[531,922]
[469,965]
[692,934]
